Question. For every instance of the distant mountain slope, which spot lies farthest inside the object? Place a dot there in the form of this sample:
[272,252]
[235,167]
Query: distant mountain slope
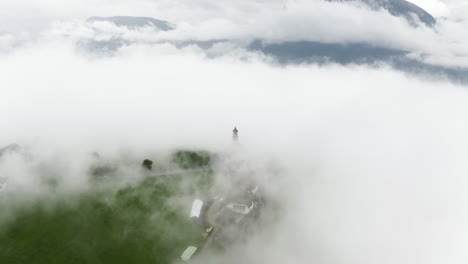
[359,52]
[293,52]
[134,22]
[307,51]
[400,8]
[407,10]
[298,52]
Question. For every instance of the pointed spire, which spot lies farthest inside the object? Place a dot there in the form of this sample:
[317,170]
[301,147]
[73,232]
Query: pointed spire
[235,136]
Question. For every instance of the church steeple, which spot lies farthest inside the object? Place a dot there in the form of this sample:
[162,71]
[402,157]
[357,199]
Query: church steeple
[235,136]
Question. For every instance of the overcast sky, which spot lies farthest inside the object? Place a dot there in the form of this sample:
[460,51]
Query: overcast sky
[32,15]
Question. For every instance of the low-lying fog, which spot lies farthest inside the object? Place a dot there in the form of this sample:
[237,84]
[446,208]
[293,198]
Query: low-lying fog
[373,162]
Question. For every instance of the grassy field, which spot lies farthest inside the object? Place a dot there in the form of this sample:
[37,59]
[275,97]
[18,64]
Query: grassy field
[138,223]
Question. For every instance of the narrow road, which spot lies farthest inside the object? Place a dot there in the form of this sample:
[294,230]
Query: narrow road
[179,172]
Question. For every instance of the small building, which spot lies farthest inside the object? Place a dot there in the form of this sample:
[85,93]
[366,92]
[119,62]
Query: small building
[188,253]
[241,205]
[207,233]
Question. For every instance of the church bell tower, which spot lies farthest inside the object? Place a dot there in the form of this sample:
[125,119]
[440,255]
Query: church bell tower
[235,136]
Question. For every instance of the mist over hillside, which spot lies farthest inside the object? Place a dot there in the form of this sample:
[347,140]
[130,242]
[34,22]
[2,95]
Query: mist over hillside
[401,35]
[349,123]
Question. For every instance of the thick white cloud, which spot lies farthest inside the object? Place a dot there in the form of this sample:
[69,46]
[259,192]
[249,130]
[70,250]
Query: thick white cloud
[277,21]
[7,41]
[374,162]
[436,8]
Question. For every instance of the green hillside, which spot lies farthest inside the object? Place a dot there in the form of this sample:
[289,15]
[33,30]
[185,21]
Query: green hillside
[139,223]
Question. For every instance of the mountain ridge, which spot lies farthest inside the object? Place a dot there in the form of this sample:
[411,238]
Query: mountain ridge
[134,22]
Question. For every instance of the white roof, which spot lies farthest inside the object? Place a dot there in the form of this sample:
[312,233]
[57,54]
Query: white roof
[188,253]
[196,208]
